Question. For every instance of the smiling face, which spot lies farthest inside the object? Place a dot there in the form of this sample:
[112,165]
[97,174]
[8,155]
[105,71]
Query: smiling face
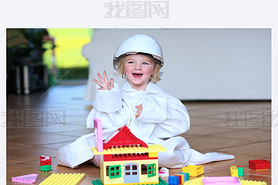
[138,70]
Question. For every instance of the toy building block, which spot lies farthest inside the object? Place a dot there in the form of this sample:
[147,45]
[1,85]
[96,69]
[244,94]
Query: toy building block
[45,163]
[250,182]
[64,179]
[173,180]
[234,171]
[45,160]
[123,138]
[46,168]
[98,134]
[260,164]
[162,182]
[186,176]
[196,181]
[96,182]
[31,178]
[181,178]
[193,170]
[240,171]
[128,150]
[221,180]
[163,172]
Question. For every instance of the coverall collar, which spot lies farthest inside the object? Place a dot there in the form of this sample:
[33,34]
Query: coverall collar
[151,88]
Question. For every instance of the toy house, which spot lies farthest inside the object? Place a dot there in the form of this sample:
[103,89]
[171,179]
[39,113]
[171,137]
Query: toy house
[125,159]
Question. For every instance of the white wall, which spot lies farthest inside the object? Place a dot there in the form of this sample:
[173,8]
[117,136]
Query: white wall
[209,64]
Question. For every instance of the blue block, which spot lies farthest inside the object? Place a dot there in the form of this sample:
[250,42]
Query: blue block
[173,180]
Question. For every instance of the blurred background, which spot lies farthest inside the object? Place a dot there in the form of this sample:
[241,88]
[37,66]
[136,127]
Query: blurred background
[200,64]
[38,58]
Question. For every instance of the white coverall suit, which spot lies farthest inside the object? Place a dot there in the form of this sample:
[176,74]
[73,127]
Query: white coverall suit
[163,118]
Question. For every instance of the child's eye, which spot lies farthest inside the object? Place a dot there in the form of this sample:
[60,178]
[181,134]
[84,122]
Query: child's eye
[130,62]
[146,63]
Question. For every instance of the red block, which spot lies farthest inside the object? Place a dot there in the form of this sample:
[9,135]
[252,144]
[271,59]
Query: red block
[123,138]
[259,164]
[179,178]
[45,160]
[127,157]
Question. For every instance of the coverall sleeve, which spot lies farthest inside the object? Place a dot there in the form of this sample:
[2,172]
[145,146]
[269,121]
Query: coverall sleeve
[107,107]
[169,115]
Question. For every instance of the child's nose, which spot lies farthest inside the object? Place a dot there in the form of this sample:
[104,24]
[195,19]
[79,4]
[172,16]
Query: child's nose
[138,66]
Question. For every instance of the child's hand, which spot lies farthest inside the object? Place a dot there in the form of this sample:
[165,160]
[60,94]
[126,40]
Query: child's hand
[139,110]
[104,83]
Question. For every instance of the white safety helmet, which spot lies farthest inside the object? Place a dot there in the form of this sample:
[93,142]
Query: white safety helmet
[139,43]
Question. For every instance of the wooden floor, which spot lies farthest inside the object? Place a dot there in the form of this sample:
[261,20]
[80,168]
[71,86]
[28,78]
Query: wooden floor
[43,122]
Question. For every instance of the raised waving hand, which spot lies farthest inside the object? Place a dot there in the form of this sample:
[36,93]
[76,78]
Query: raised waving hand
[104,82]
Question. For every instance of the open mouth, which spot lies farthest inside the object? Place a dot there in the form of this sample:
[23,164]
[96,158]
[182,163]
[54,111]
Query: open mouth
[137,75]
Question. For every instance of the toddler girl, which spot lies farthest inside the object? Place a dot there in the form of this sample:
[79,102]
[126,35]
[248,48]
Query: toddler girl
[150,113]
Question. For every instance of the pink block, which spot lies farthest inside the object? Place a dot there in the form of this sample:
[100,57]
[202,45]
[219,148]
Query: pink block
[98,127]
[31,178]
[221,180]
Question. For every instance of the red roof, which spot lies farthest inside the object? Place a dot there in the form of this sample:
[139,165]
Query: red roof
[123,138]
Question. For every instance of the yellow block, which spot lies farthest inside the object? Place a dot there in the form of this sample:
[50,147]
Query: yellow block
[234,171]
[193,170]
[131,149]
[153,154]
[143,178]
[250,182]
[64,179]
[197,181]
